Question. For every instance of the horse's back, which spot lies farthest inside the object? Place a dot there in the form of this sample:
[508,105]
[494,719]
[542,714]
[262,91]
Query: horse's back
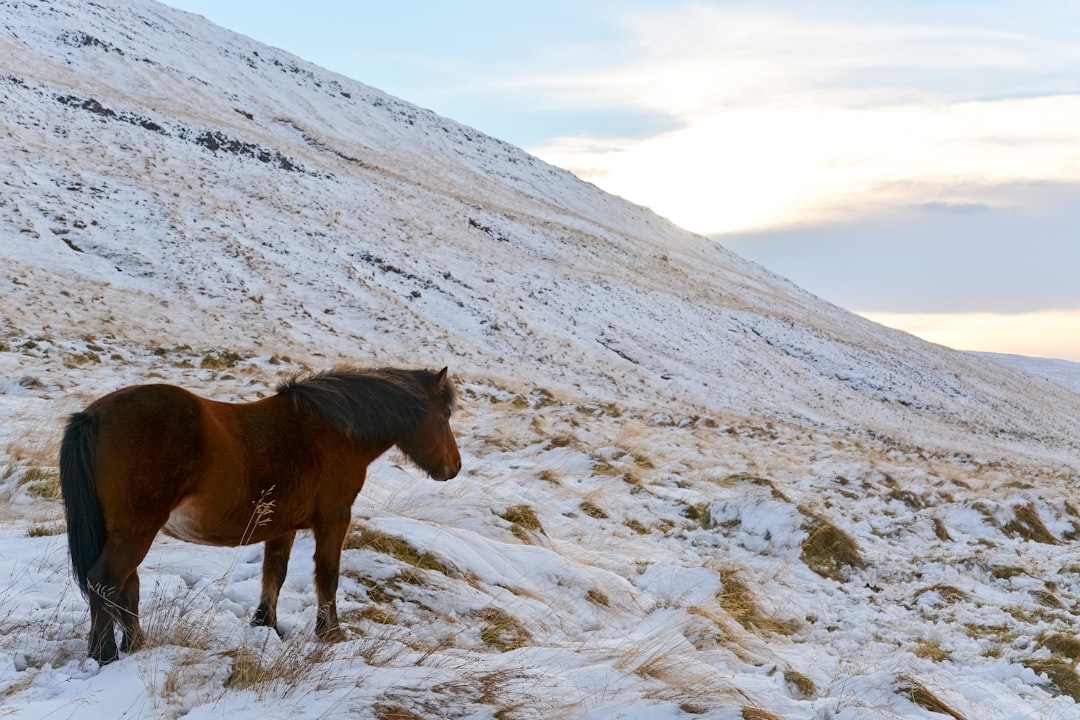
[151,436]
[151,413]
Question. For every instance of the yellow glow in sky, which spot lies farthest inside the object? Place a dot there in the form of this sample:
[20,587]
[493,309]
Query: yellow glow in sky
[1048,334]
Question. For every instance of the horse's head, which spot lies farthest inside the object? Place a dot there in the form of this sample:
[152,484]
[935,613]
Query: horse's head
[432,445]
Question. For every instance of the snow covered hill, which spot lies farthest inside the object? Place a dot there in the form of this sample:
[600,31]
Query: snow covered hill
[1062,372]
[691,488]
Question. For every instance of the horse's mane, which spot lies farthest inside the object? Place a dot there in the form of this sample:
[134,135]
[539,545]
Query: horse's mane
[375,404]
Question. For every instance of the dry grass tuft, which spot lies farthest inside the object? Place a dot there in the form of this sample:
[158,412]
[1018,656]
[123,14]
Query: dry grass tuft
[183,620]
[562,440]
[828,550]
[1060,671]
[549,476]
[378,615]
[597,597]
[524,518]
[1027,524]
[948,593]
[32,461]
[929,650]
[921,696]
[46,529]
[1061,644]
[366,538]
[739,602]
[286,668]
[802,686]
[220,360]
[394,712]
[593,510]
[701,514]
[756,713]
[502,630]
[43,482]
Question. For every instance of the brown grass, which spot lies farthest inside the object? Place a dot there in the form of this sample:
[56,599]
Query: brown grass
[286,668]
[801,684]
[593,510]
[1061,644]
[929,650]
[921,696]
[523,516]
[549,476]
[363,537]
[46,529]
[738,601]
[501,630]
[1060,671]
[220,360]
[395,712]
[828,550]
[701,514]
[33,458]
[1027,524]
[597,597]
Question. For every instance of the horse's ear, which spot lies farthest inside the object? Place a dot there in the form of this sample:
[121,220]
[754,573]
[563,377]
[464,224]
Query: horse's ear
[440,377]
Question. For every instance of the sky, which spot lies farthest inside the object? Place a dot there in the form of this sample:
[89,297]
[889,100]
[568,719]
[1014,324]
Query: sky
[917,161]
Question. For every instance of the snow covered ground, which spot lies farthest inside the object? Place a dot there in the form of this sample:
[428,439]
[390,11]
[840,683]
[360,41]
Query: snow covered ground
[691,489]
[1061,372]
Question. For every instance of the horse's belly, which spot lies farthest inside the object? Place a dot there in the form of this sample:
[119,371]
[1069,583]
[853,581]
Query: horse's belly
[183,524]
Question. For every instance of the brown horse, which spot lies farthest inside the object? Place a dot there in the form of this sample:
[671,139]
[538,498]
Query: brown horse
[157,457]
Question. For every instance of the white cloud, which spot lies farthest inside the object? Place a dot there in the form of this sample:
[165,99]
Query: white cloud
[787,120]
[765,167]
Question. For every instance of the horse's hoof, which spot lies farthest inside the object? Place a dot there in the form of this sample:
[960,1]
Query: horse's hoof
[104,659]
[103,652]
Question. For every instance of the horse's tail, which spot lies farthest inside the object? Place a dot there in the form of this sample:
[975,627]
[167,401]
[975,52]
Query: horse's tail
[85,520]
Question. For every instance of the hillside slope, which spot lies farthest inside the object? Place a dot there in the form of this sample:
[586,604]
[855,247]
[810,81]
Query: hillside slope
[154,156]
[690,487]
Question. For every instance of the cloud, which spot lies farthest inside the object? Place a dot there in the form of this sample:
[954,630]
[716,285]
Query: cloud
[1014,253]
[955,208]
[771,167]
[780,119]
[695,58]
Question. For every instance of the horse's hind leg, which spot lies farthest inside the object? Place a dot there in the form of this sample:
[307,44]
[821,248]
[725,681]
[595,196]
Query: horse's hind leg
[113,592]
[275,564]
[102,643]
[128,615]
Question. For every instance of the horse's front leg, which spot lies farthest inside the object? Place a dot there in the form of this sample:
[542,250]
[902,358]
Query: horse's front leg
[275,565]
[329,539]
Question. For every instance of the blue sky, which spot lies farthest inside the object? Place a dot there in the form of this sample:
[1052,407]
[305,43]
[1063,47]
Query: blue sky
[917,162]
